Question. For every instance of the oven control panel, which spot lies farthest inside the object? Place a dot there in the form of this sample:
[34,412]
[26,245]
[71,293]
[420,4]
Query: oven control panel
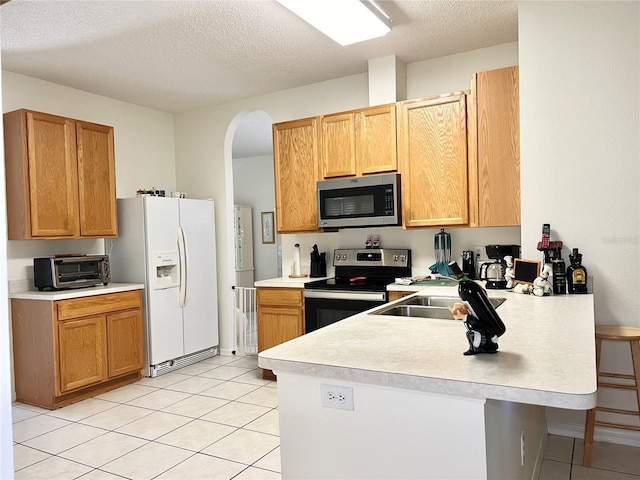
[345,257]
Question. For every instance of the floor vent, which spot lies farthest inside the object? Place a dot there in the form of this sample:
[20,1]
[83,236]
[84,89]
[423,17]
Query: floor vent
[176,363]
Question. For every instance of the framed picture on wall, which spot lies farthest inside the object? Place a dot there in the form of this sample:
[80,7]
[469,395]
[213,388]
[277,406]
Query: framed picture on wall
[267,227]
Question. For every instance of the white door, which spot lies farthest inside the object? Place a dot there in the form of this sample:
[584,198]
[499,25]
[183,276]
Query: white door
[200,311]
[164,316]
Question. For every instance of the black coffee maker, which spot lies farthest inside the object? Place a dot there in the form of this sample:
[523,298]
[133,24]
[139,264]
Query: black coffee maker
[493,272]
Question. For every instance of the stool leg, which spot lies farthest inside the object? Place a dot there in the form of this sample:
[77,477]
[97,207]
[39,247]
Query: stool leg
[589,425]
[635,356]
[588,437]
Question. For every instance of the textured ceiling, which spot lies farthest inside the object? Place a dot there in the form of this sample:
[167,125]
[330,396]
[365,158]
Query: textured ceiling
[180,55]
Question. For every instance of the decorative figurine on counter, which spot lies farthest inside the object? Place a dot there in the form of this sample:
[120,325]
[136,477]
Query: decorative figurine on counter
[523,288]
[541,285]
[479,340]
[508,273]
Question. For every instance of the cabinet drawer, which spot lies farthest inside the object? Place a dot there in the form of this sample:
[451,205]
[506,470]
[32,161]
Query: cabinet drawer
[80,307]
[280,296]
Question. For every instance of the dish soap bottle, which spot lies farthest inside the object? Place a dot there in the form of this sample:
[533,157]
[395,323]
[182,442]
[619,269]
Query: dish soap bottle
[576,274]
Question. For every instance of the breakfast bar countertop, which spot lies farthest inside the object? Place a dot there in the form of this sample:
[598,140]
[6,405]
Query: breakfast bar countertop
[546,356]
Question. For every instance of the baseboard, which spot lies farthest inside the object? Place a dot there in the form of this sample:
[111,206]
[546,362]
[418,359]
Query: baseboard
[601,434]
[542,445]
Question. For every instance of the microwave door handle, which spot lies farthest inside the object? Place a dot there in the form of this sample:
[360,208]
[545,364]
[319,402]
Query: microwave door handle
[182,253]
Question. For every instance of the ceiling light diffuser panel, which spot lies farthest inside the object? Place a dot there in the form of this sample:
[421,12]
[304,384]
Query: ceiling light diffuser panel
[345,21]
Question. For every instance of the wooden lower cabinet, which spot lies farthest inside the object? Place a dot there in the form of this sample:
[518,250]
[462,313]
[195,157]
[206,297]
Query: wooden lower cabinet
[395,295]
[68,350]
[280,317]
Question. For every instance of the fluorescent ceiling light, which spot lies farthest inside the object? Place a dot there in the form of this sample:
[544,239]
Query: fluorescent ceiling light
[345,21]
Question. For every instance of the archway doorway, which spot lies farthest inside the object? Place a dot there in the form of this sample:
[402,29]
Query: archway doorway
[254,251]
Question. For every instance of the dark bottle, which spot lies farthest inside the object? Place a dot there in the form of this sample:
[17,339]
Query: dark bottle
[559,273]
[576,274]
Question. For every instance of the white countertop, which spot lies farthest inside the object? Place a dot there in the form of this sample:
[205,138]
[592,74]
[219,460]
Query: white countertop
[77,292]
[546,357]
[286,282]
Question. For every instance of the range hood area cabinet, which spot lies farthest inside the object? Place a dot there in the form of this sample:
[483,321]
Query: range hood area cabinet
[359,142]
[60,177]
[432,149]
[296,171]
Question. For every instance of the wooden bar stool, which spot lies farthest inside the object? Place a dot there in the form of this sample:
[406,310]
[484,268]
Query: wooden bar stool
[614,333]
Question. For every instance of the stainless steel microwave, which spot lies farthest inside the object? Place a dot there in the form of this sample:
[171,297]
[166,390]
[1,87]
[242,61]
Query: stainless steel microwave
[359,201]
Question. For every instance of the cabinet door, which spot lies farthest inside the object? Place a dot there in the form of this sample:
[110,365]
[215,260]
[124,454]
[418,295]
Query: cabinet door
[296,170]
[82,352]
[53,175]
[498,146]
[376,140]
[433,161]
[96,180]
[124,342]
[338,145]
[277,325]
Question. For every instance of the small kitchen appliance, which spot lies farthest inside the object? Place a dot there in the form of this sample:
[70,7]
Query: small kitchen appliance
[468,264]
[360,283]
[60,272]
[368,201]
[493,272]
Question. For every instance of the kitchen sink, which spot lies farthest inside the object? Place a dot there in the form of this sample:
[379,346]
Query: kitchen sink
[427,307]
[442,313]
[438,301]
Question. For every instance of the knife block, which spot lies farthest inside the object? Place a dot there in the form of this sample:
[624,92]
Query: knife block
[318,266]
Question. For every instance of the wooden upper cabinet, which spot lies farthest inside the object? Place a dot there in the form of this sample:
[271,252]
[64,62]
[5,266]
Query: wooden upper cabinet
[359,142]
[60,177]
[497,146]
[296,171]
[432,150]
[338,145]
[376,140]
[96,180]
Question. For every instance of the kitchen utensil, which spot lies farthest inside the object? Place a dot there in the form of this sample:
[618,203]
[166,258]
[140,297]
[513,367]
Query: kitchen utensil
[318,263]
[442,252]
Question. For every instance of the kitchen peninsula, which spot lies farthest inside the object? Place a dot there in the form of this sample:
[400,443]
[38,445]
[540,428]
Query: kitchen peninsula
[420,408]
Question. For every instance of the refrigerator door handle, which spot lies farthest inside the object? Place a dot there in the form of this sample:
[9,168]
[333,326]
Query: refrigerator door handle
[182,251]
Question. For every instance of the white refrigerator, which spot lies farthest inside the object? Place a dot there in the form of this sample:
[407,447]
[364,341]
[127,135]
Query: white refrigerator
[243,245]
[169,245]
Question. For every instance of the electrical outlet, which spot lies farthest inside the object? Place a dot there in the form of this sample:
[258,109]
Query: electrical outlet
[522,448]
[335,396]
[477,251]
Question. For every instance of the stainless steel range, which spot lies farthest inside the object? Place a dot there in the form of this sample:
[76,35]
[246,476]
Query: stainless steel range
[360,283]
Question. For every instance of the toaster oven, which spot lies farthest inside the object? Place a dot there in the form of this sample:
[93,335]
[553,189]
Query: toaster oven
[61,272]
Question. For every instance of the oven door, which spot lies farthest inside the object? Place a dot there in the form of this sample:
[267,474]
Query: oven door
[324,307]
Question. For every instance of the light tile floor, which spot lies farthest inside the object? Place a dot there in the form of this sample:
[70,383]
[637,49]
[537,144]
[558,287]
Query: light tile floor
[217,419]
[563,461]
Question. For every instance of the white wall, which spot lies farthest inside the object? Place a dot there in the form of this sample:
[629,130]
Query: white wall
[6,377]
[203,153]
[580,150]
[144,152]
[253,185]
